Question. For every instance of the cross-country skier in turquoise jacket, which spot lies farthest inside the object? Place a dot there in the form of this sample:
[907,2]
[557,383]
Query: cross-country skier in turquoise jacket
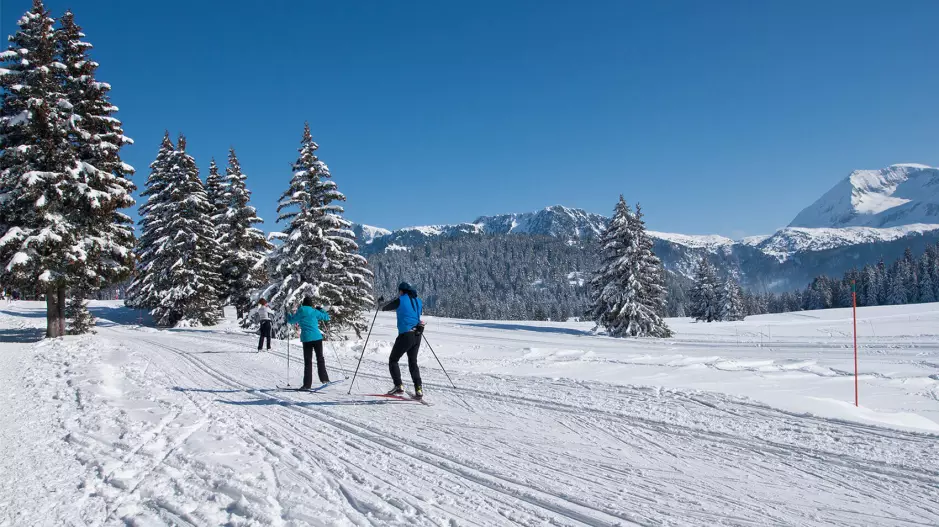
[308,318]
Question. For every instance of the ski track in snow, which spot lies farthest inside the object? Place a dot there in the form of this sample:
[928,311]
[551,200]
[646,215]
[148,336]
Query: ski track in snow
[141,427]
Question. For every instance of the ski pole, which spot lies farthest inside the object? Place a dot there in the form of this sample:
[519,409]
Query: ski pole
[338,361]
[288,354]
[351,384]
[438,361]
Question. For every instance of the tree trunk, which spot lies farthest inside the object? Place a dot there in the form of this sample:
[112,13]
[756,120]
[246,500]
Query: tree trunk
[55,320]
[61,293]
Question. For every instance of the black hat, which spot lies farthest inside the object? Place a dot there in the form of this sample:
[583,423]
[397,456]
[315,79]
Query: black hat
[308,301]
[406,287]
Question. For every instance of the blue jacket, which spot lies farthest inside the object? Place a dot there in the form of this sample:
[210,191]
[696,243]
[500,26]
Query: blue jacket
[409,309]
[308,318]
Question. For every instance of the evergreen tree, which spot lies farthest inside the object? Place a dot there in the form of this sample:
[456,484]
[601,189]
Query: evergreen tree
[103,187]
[316,257]
[652,277]
[243,245]
[909,276]
[177,276]
[732,305]
[706,293]
[41,245]
[80,320]
[896,285]
[881,283]
[852,276]
[216,190]
[927,288]
[625,298]
[873,291]
[145,290]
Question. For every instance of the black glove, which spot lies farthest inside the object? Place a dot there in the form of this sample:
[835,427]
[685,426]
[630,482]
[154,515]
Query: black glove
[381,299]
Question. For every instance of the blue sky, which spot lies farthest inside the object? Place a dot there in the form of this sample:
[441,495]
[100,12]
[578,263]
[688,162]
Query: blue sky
[719,117]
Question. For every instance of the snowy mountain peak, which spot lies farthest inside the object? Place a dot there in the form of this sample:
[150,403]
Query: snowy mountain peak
[556,220]
[366,234]
[711,242]
[902,194]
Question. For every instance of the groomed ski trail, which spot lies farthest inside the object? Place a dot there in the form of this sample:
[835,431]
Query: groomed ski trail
[525,451]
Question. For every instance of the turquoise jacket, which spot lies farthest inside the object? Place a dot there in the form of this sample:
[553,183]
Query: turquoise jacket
[309,319]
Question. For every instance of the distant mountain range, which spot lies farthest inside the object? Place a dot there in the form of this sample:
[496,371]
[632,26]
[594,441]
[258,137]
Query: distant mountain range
[869,215]
[556,221]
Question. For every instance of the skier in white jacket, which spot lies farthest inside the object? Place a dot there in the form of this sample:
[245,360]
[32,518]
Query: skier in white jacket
[264,315]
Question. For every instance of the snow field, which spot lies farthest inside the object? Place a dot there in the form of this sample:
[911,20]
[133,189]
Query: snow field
[548,426]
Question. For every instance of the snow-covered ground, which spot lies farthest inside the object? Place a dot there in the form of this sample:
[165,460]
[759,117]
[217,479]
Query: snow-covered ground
[745,423]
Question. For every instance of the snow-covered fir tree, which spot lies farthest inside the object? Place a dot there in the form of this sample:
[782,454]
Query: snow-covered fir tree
[243,245]
[625,297]
[351,294]
[48,243]
[705,294]
[80,320]
[897,292]
[871,287]
[927,287]
[732,307]
[145,290]
[317,255]
[177,277]
[652,278]
[215,190]
[103,186]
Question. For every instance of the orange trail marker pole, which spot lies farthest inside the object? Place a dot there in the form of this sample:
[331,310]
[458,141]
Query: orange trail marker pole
[854,312]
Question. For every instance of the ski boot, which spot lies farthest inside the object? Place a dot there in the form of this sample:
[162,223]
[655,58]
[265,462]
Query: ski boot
[418,393]
[397,390]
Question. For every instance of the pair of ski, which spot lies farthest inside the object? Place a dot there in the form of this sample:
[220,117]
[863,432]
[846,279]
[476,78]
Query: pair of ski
[407,396]
[307,390]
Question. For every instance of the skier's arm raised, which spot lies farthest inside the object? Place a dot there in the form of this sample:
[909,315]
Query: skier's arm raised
[391,306]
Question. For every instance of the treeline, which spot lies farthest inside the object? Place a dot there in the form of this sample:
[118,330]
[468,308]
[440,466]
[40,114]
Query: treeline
[908,280]
[503,277]
[200,248]
[508,277]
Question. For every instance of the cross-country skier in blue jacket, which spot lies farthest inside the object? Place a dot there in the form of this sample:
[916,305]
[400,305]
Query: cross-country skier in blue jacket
[410,328]
[308,318]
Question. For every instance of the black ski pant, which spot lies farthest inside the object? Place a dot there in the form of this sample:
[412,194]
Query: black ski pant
[308,349]
[266,328]
[407,343]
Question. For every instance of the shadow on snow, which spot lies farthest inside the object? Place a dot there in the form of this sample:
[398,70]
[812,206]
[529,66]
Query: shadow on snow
[279,402]
[121,316]
[22,336]
[525,327]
